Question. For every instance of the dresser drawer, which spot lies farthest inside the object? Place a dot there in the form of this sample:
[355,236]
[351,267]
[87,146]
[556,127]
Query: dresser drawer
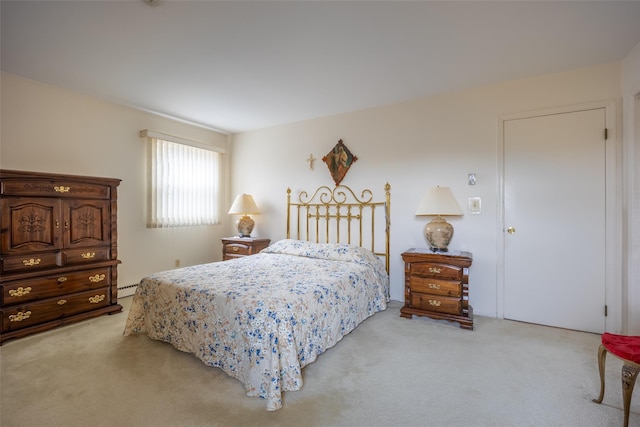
[25,315]
[237,249]
[436,270]
[436,286]
[30,262]
[436,303]
[43,187]
[84,255]
[22,291]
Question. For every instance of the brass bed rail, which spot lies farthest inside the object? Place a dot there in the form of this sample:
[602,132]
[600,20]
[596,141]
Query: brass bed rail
[339,212]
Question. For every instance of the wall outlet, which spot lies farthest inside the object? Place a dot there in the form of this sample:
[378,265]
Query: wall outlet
[177,264]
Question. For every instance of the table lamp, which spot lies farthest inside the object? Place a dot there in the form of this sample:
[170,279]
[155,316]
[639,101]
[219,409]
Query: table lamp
[439,202]
[244,205]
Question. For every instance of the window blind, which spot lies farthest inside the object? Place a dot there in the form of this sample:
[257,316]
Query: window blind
[184,185]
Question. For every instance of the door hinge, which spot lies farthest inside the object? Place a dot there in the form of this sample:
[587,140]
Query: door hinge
[606,311]
[606,134]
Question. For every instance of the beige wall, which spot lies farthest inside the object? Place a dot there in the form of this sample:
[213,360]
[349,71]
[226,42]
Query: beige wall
[413,146]
[48,129]
[631,121]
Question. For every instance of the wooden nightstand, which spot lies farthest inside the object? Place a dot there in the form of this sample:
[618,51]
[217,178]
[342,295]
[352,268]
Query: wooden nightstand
[436,285]
[236,247]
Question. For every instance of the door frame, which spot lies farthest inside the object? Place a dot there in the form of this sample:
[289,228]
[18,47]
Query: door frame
[613,209]
[631,164]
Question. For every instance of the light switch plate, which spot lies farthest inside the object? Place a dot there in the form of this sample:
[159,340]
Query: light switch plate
[475,205]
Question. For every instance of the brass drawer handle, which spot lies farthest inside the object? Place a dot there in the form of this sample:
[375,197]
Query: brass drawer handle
[434,303]
[62,302]
[235,249]
[96,299]
[434,286]
[61,189]
[31,262]
[97,278]
[22,315]
[19,292]
[62,279]
[434,270]
[88,255]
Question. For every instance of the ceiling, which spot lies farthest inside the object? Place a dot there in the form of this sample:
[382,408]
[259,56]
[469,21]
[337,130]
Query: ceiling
[239,65]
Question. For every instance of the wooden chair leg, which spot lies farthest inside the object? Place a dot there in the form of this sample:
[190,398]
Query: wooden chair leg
[602,355]
[629,375]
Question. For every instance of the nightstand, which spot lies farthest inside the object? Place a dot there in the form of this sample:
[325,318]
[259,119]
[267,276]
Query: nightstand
[236,247]
[436,286]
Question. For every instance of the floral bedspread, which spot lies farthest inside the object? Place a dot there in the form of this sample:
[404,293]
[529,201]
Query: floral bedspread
[264,317]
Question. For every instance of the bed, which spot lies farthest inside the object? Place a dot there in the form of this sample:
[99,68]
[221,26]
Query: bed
[263,318]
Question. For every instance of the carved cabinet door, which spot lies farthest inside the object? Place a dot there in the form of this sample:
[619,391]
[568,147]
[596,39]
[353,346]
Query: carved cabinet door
[86,223]
[30,224]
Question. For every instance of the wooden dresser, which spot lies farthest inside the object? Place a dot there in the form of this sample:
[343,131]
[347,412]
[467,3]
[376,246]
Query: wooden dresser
[58,257]
[235,247]
[436,285]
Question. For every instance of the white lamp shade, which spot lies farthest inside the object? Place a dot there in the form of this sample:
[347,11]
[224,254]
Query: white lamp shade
[243,205]
[439,201]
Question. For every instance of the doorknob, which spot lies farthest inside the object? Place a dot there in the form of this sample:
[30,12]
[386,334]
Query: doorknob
[511,230]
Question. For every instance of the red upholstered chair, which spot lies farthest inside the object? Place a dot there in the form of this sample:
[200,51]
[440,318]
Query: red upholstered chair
[627,348]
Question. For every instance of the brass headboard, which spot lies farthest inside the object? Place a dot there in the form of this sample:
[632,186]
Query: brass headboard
[341,216]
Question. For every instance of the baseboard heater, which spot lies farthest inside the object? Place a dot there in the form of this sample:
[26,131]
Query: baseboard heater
[127,290]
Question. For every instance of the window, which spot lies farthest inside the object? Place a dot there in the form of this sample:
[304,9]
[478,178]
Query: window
[184,184]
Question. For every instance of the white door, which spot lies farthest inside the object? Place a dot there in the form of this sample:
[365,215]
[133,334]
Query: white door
[554,183]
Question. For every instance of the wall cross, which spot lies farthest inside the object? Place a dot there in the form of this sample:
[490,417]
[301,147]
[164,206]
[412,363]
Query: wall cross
[311,161]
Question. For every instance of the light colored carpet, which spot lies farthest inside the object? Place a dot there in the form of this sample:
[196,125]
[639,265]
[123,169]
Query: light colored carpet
[390,371]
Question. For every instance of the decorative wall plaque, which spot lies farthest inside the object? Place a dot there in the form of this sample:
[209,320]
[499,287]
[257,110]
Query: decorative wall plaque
[339,160]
